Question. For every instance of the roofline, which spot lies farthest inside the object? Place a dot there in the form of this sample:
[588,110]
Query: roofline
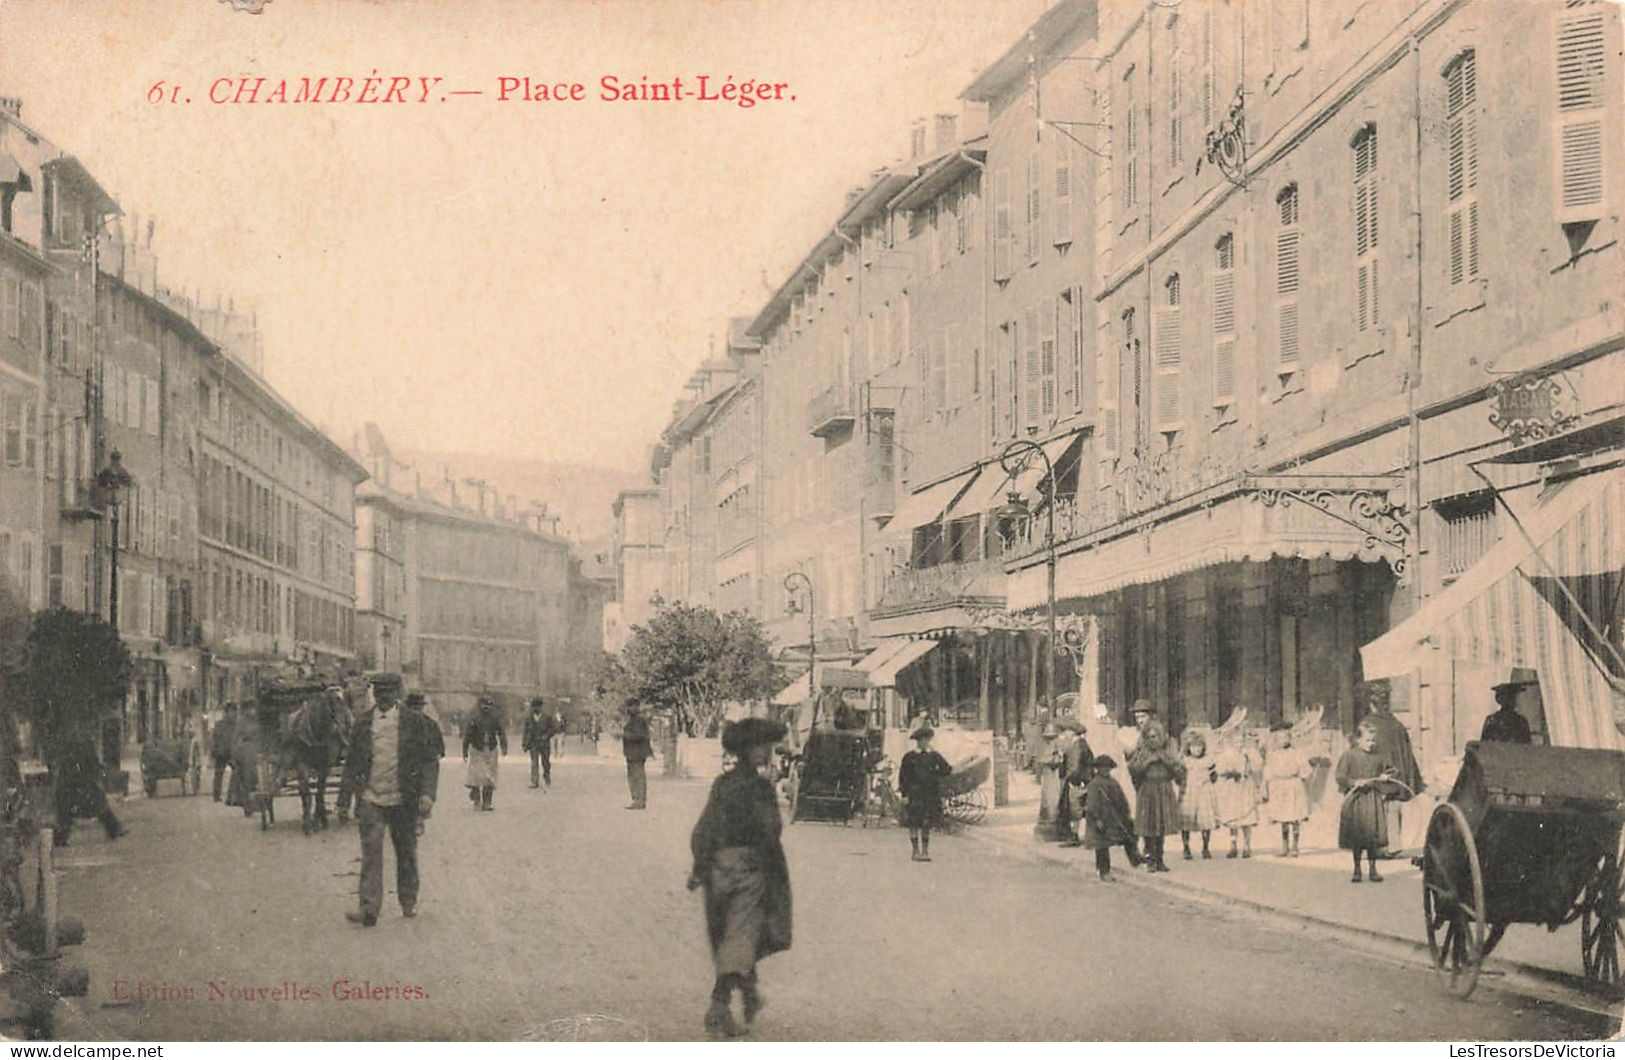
[954,159]
[1047,30]
[780,301]
[434,510]
[78,172]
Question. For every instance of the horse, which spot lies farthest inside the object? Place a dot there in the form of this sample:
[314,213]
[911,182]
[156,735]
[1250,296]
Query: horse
[316,737]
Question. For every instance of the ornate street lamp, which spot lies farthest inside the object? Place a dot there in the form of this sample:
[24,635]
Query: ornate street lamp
[791,606]
[1013,460]
[111,482]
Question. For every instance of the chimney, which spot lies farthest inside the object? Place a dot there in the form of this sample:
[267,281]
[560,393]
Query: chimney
[916,141]
[945,128]
[12,105]
[853,194]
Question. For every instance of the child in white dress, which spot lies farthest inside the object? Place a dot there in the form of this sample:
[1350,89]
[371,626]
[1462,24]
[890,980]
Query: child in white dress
[1286,772]
[1238,767]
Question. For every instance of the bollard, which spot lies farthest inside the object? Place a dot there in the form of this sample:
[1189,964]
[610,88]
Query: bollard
[1001,771]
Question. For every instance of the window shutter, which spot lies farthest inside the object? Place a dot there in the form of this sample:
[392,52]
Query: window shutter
[1033,226]
[1001,225]
[1176,139]
[1169,354]
[1224,337]
[13,306]
[1107,368]
[1034,375]
[1286,289]
[939,377]
[151,418]
[1046,356]
[1209,73]
[951,371]
[1063,191]
[1582,56]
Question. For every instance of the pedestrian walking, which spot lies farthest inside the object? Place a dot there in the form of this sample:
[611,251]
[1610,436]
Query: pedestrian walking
[1362,776]
[393,771]
[537,740]
[739,861]
[1238,767]
[1198,800]
[484,739]
[1107,820]
[1506,725]
[220,741]
[76,780]
[1286,792]
[1156,769]
[919,782]
[636,747]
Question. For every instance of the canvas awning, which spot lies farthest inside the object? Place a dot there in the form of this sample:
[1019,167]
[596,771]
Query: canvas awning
[1246,519]
[926,505]
[992,485]
[1511,609]
[797,691]
[908,652]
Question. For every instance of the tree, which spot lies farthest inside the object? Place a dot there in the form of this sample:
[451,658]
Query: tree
[77,667]
[689,661]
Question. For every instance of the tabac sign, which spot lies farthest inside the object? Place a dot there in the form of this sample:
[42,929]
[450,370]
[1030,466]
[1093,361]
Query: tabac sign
[1529,408]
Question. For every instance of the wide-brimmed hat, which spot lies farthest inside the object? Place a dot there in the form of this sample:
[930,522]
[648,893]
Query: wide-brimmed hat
[924,732]
[1106,762]
[740,736]
[1068,723]
[1519,677]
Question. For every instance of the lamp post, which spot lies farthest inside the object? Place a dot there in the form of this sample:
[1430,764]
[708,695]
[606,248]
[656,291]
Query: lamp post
[111,482]
[791,606]
[1013,459]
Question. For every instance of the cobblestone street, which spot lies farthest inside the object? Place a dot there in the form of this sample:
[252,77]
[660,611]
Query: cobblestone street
[562,904]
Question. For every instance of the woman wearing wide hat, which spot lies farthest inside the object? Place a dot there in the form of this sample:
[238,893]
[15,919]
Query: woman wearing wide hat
[919,782]
[739,860]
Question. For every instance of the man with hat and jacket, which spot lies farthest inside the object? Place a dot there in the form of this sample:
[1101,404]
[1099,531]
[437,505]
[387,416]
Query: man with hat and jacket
[393,771]
[1506,725]
[220,741]
[483,736]
[638,749]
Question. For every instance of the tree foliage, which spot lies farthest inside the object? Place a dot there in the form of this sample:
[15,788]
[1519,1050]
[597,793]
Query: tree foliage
[688,662]
[77,669]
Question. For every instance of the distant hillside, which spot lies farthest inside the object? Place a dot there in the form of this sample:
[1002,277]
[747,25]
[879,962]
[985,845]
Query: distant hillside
[580,495]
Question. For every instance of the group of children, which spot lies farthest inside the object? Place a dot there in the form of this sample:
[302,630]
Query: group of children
[1190,790]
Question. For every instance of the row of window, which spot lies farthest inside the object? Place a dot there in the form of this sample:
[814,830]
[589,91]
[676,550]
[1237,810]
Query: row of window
[240,599]
[498,664]
[246,514]
[465,610]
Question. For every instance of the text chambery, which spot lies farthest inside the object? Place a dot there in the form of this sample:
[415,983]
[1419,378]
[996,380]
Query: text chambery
[376,89]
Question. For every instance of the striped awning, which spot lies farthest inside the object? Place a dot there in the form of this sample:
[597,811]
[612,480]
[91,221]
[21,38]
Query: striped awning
[1522,605]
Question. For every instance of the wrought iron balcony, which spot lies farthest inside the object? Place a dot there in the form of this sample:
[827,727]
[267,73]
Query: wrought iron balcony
[80,500]
[830,412]
[975,582]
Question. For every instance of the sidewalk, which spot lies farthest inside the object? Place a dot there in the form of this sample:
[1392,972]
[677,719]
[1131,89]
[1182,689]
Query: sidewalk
[1313,889]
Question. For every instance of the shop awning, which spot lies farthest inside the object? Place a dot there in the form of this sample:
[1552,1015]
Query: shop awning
[992,485]
[797,691]
[11,172]
[909,652]
[1246,519]
[883,651]
[926,505]
[1511,609]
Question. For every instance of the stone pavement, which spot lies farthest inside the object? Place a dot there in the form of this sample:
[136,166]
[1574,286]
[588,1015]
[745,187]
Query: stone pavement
[1313,888]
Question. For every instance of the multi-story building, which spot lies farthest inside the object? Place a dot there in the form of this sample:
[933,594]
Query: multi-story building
[639,559]
[380,579]
[1313,278]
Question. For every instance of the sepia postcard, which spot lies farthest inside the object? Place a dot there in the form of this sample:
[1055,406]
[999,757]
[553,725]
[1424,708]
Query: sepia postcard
[812,520]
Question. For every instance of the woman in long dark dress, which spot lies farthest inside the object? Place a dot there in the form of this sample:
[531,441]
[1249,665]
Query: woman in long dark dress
[1156,769]
[739,860]
[919,782]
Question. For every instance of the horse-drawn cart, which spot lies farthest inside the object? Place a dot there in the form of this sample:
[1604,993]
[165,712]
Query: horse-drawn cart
[180,759]
[301,735]
[1531,835]
[832,776]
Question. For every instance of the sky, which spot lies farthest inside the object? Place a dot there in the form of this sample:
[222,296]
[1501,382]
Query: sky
[535,279]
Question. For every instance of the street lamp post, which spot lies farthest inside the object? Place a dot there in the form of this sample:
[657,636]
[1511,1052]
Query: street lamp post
[1013,459]
[791,606]
[111,482]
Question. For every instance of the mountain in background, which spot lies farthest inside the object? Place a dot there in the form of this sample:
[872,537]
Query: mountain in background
[580,495]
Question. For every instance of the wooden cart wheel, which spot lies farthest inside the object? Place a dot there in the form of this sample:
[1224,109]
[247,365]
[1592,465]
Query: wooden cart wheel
[1453,900]
[1600,935]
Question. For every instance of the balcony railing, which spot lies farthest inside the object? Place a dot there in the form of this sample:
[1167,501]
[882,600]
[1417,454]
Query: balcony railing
[830,412]
[946,584]
[79,500]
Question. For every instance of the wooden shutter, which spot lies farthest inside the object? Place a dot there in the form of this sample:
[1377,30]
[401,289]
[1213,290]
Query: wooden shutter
[13,304]
[939,376]
[1581,66]
[1002,236]
[1046,357]
[1033,227]
[151,418]
[1034,376]
[1224,337]
[1286,290]
[1168,344]
[1209,73]
[1107,369]
[1176,103]
[1063,191]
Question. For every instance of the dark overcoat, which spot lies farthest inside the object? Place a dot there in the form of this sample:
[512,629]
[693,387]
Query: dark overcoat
[742,814]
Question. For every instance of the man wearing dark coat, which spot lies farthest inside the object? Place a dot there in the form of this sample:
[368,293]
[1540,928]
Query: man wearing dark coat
[739,860]
[1394,748]
[77,774]
[482,740]
[1108,821]
[919,782]
[538,740]
[220,741]
[1506,725]
[393,770]
[635,745]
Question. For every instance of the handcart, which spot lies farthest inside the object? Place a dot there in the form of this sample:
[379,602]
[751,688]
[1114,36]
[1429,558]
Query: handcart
[1530,835]
[180,759]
